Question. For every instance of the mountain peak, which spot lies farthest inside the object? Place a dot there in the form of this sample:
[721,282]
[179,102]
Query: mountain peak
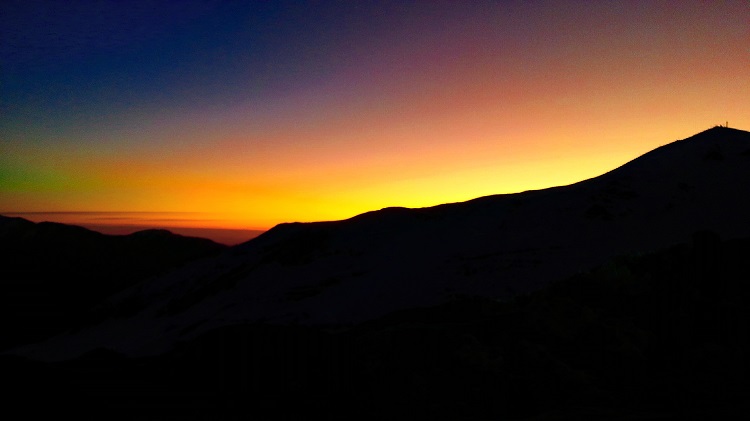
[722,133]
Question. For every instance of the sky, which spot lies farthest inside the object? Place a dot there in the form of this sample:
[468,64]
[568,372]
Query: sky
[242,115]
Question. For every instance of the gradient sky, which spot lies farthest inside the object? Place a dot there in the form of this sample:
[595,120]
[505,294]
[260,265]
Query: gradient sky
[248,114]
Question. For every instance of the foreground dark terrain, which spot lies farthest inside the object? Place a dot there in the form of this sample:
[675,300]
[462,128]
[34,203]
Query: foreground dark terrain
[657,336]
[620,297]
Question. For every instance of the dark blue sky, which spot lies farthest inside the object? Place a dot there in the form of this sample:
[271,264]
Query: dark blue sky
[65,58]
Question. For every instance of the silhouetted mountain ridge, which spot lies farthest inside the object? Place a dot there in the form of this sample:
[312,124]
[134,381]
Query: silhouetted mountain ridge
[53,273]
[346,272]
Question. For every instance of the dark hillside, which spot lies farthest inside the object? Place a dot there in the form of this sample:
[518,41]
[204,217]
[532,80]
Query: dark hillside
[50,273]
[656,336]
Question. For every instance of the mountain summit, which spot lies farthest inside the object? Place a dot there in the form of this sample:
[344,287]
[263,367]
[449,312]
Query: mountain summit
[345,272]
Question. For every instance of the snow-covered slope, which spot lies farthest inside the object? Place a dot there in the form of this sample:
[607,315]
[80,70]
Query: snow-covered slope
[338,273]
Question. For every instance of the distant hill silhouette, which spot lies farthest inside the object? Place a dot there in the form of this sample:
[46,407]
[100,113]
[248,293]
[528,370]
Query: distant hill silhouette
[346,272]
[51,274]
